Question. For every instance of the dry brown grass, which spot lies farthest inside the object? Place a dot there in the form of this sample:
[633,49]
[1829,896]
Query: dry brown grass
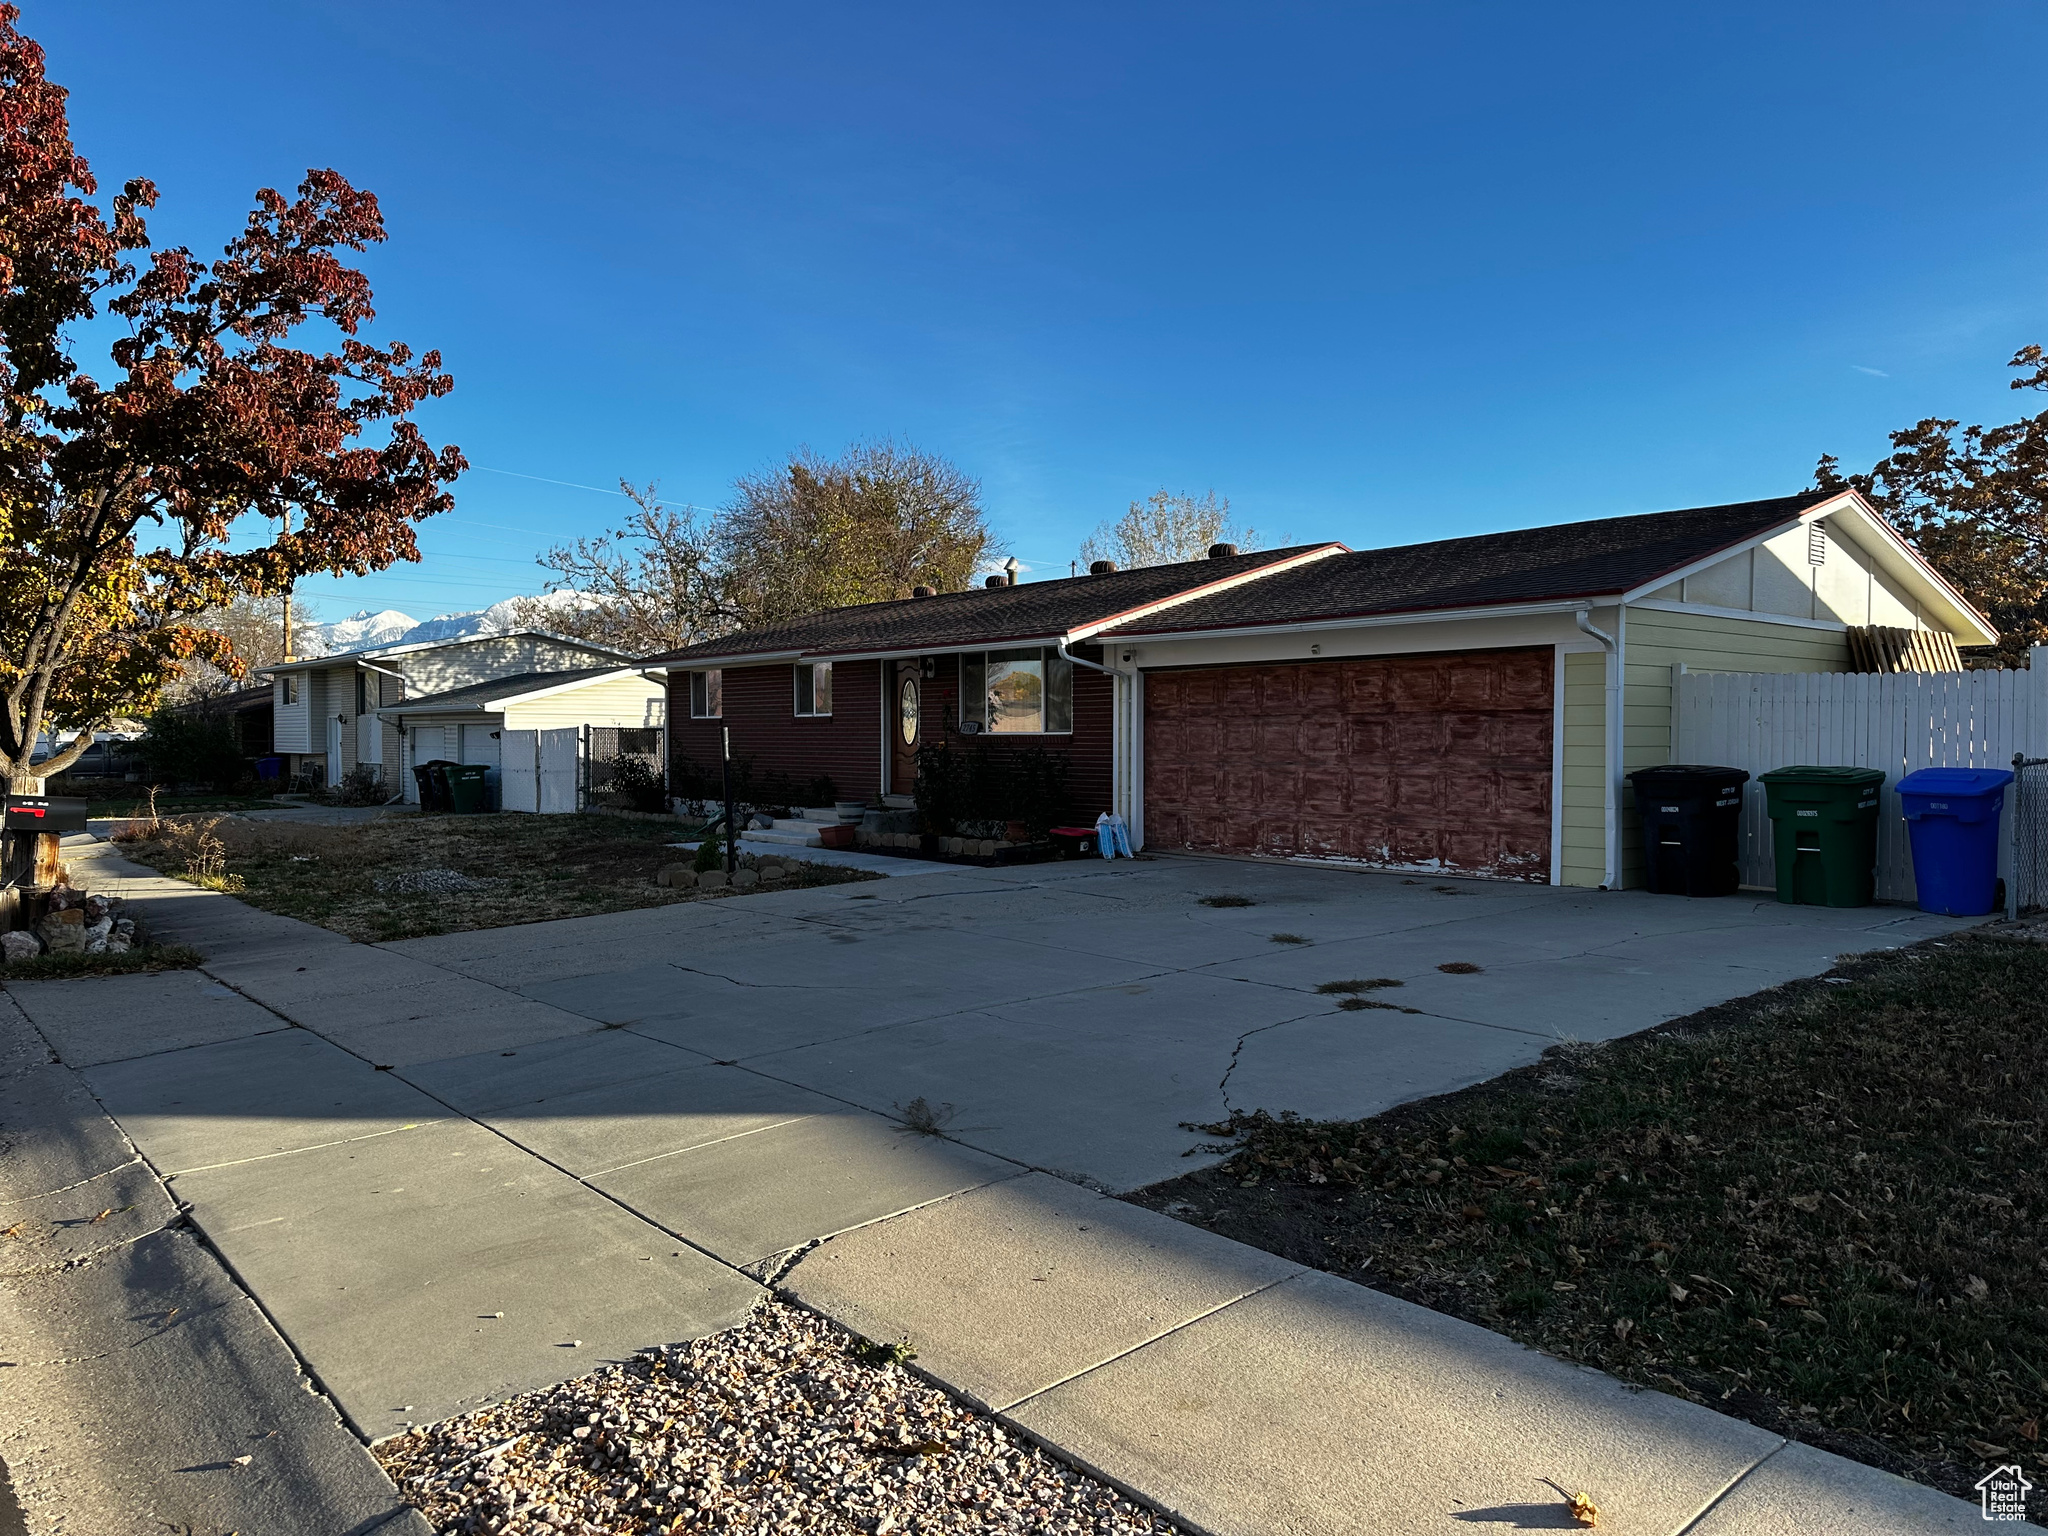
[406,876]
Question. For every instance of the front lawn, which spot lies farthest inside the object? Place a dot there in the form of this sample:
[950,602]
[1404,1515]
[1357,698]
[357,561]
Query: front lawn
[1821,1208]
[408,875]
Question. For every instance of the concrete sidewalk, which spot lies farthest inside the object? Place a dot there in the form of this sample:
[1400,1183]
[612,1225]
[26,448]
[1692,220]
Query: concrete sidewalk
[457,1168]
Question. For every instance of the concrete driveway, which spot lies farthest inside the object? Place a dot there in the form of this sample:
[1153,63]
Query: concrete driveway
[461,1167]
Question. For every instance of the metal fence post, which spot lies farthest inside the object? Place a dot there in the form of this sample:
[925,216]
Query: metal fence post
[732,831]
[2012,863]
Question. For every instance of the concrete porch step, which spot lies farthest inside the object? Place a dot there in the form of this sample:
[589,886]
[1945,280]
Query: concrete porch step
[791,833]
[821,816]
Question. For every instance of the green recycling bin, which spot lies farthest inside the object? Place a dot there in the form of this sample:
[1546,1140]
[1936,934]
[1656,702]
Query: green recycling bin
[469,788]
[1824,834]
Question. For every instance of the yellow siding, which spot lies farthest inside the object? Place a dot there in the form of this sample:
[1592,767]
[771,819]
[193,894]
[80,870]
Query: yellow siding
[630,701]
[1584,852]
[1656,641]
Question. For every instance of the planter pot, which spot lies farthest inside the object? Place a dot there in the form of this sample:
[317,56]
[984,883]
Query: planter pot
[850,810]
[840,836]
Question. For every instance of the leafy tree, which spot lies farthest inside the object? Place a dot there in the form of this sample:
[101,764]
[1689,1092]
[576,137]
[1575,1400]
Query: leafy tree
[654,583]
[1975,503]
[866,527]
[1165,528]
[120,493]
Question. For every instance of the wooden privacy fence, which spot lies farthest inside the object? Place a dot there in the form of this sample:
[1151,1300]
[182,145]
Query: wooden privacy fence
[1896,721]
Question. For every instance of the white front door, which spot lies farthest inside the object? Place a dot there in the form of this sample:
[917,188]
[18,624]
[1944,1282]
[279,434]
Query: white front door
[369,740]
[334,768]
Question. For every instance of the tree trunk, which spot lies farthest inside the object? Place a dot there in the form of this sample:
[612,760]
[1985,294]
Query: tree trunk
[22,782]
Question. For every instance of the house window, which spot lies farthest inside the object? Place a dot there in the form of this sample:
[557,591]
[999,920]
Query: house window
[291,687]
[814,688]
[1011,693]
[362,693]
[707,695]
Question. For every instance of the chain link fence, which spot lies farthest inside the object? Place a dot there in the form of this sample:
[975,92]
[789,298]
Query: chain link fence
[2026,885]
[625,766]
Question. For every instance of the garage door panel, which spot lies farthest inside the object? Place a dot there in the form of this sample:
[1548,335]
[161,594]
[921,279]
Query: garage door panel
[1428,761]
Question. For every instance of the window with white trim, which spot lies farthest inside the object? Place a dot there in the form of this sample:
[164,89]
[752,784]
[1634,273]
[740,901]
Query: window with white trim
[1025,692]
[291,687]
[814,687]
[707,695]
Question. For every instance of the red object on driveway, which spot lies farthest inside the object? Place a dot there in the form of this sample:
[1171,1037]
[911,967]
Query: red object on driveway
[840,836]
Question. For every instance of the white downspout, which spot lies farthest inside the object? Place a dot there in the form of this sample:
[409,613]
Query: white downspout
[1120,773]
[1610,775]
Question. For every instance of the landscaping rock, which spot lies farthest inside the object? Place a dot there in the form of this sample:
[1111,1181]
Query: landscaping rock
[745,879]
[63,932]
[711,880]
[97,934]
[772,872]
[19,944]
[679,876]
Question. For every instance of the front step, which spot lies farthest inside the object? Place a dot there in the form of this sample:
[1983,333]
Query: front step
[817,816]
[790,833]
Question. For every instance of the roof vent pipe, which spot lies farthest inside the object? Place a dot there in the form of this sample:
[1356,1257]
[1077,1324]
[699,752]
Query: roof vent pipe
[1101,567]
[1010,569]
[1222,551]
[923,591]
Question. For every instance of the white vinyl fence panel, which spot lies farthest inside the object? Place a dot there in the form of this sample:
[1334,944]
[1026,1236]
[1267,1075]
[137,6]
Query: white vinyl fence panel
[561,763]
[520,771]
[1897,722]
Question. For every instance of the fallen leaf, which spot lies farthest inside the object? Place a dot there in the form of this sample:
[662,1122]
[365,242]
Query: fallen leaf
[243,1461]
[1975,1288]
[103,1215]
[15,1230]
[1584,1510]
[1678,1292]
[1804,1202]
[1794,1301]
[2031,1430]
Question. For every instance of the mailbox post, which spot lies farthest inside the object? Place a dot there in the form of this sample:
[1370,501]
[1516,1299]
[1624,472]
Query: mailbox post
[30,829]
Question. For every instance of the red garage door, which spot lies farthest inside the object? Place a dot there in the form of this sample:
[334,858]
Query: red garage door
[1410,762]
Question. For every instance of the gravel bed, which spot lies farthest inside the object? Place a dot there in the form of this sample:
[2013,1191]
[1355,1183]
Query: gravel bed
[426,882]
[786,1423]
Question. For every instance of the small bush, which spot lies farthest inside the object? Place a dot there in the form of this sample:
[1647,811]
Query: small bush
[1028,784]
[710,854]
[634,783]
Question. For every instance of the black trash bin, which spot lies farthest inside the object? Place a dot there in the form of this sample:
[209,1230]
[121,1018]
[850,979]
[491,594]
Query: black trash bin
[432,778]
[1692,828]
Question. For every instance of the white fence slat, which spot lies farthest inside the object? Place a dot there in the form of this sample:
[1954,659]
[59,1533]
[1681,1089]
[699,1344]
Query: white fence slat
[1896,722]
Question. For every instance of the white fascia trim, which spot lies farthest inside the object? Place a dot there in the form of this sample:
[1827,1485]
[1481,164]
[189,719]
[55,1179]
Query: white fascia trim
[1207,589]
[1375,621]
[1894,542]
[1755,616]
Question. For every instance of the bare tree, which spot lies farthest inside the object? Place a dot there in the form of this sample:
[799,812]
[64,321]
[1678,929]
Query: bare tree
[254,630]
[866,527]
[653,583]
[1165,528]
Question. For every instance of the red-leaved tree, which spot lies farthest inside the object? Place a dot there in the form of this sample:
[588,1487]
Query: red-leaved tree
[119,491]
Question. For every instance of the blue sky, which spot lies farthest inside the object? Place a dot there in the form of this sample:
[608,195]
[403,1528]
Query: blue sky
[1376,274]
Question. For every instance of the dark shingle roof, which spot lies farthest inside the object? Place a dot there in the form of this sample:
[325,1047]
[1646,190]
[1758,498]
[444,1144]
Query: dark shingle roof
[1033,611]
[476,695]
[1564,561]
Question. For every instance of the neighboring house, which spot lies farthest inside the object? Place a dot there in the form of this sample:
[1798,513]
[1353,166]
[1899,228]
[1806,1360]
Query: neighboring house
[1469,705]
[503,724]
[325,708]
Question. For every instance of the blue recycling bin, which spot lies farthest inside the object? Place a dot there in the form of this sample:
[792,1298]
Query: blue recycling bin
[1952,815]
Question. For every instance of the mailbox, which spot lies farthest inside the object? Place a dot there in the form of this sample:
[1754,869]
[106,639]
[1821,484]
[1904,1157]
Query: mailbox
[45,813]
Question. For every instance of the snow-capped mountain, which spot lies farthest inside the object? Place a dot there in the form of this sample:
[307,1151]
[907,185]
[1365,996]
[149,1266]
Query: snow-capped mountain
[390,627]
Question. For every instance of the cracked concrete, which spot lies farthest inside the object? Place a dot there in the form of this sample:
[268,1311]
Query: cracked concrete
[480,1162]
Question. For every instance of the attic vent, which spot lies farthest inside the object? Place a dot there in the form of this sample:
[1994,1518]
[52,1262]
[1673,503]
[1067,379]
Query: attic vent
[1101,567]
[1817,542]
[995,581]
[1222,551]
[923,592]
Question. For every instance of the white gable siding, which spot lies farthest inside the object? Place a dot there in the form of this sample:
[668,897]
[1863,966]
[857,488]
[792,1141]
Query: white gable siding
[630,701]
[460,663]
[291,724]
[1779,577]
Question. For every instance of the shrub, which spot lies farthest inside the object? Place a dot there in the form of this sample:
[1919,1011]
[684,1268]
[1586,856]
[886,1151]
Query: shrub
[191,746]
[634,784]
[710,854]
[1027,785]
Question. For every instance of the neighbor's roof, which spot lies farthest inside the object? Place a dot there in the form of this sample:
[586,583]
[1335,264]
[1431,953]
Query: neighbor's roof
[1032,612]
[501,691]
[1563,562]
[380,652]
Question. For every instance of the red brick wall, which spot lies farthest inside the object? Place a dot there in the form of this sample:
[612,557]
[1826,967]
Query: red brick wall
[1090,751]
[760,710]
[759,705]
